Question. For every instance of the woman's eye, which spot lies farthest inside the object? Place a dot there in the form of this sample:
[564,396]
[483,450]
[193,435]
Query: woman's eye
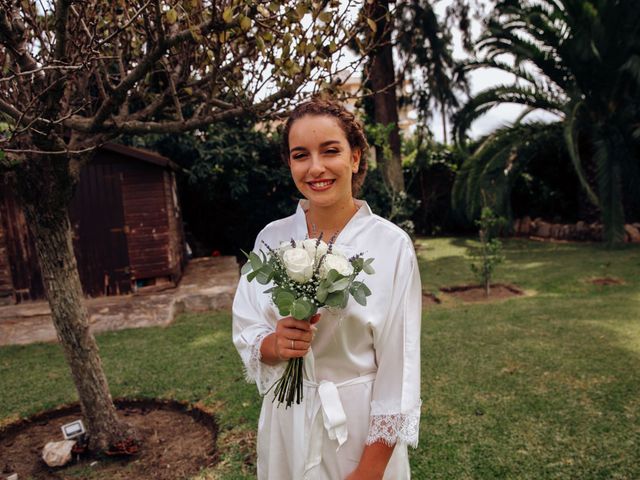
[298,156]
[332,151]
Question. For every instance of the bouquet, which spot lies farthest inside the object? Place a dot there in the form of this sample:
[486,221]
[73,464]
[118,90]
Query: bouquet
[306,275]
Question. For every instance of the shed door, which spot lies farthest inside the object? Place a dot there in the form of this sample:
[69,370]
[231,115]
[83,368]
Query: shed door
[100,240]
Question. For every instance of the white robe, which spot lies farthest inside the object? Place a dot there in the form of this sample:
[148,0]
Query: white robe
[362,375]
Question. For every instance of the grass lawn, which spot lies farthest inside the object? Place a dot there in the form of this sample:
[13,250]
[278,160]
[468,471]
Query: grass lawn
[539,387]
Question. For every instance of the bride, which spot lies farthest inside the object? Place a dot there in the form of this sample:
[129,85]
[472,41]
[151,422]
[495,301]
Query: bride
[361,405]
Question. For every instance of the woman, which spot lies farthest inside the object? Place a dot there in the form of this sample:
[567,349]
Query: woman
[361,405]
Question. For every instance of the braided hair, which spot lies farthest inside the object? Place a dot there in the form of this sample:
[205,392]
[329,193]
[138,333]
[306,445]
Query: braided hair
[352,128]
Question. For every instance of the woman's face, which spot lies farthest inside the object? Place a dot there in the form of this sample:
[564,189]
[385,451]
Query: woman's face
[321,160]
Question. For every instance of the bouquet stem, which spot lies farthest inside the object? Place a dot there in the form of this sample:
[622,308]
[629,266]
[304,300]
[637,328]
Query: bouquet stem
[289,386]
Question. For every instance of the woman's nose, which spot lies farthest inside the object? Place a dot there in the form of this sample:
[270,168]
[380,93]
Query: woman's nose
[317,165]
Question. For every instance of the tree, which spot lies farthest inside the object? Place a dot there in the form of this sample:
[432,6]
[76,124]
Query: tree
[381,75]
[425,46]
[76,74]
[579,60]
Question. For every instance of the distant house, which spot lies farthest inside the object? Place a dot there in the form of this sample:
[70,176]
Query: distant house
[127,228]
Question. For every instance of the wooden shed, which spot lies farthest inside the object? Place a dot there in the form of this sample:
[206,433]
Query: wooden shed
[127,228]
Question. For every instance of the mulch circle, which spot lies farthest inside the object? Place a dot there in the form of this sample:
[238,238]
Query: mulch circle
[177,441]
[475,293]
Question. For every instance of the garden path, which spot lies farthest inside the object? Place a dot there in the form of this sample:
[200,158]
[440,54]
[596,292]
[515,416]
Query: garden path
[207,284]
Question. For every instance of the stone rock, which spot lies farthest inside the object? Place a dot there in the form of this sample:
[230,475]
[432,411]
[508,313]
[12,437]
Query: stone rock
[544,229]
[581,230]
[633,232]
[57,454]
[554,230]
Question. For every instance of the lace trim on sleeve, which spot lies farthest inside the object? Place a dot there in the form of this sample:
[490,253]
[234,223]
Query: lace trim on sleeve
[394,428]
[256,371]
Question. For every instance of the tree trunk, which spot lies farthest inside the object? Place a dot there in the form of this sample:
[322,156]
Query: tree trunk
[444,123]
[382,77]
[46,187]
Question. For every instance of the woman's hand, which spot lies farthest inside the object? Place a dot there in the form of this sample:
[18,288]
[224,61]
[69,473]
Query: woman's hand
[373,462]
[291,339]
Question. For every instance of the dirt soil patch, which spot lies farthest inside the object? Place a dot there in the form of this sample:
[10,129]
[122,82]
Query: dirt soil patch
[177,442]
[475,293]
[606,281]
[430,299]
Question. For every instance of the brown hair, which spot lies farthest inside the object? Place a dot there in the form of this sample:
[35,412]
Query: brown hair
[352,128]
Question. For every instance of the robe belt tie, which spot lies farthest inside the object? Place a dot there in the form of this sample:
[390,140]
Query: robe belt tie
[334,419]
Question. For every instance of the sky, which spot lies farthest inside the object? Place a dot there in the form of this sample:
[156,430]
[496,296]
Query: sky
[479,80]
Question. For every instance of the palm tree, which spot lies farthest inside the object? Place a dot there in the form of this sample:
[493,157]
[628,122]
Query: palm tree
[425,45]
[578,59]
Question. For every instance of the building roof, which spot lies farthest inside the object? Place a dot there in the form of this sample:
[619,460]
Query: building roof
[141,154]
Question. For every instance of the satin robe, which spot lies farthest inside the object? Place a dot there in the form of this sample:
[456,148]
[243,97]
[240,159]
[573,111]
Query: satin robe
[362,374]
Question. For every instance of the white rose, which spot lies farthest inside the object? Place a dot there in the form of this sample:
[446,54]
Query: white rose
[310,246]
[284,246]
[298,264]
[335,262]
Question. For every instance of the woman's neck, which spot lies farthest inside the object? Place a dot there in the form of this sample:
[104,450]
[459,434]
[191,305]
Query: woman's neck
[330,220]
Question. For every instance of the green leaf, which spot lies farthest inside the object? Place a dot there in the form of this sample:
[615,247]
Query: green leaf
[326,17]
[172,16]
[246,268]
[284,300]
[321,293]
[227,15]
[341,284]
[265,275]
[301,309]
[245,23]
[301,9]
[359,296]
[332,276]
[367,268]
[256,263]
[337,299]
[252,275]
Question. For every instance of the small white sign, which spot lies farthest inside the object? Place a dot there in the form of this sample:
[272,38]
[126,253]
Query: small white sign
[73,430]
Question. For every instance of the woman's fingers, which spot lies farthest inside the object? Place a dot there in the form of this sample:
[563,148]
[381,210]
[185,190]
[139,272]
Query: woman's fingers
[294,336]
[290,322]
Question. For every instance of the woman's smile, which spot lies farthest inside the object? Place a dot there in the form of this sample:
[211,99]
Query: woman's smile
[321,185]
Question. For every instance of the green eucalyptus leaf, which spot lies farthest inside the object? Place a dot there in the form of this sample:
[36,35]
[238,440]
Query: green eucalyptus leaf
[284,301]
[357,263]
[333,275]
[341,284]
[264,276]
[256,263]
[252,275]
[301,309]
[321,293]
[246,268]
[367,268]
[359,296]
[337,299]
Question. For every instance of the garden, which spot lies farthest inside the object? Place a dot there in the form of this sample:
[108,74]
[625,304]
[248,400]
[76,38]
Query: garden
[142,141]
[539,386]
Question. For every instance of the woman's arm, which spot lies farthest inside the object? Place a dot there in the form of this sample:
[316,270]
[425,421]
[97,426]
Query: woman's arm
[373,462]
